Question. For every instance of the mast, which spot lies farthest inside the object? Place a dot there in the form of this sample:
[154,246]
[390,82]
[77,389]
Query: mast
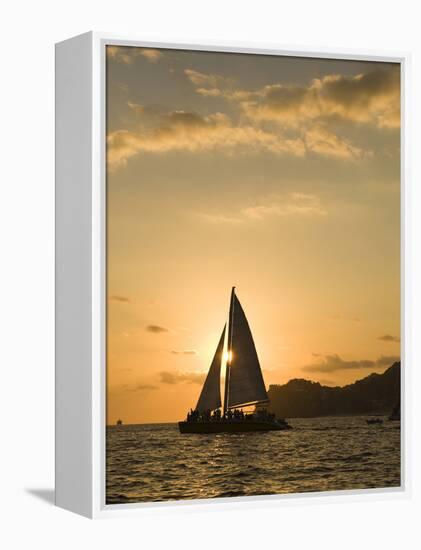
[229,345]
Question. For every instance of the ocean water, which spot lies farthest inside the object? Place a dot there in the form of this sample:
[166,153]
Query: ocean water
[154,462]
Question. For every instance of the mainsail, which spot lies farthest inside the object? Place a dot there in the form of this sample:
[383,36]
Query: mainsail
[245,384]
[210,398]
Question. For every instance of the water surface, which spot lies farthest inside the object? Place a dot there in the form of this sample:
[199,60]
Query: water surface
[154,462]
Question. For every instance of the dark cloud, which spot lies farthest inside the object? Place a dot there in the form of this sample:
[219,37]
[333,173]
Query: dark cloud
[389,338]
[121,299]
[184,352]
[362,91]
[370,98]
[177,377]
[156,329]
[331,363]
[144,387]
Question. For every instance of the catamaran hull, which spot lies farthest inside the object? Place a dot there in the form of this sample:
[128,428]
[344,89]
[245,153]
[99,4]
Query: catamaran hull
[230,427]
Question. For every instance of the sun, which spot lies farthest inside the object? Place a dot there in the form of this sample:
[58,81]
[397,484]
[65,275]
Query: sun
[227,356]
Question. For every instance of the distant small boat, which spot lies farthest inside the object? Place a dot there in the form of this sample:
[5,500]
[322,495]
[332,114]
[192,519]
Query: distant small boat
[374,421]
[396,413]
[244,385]
[119,422]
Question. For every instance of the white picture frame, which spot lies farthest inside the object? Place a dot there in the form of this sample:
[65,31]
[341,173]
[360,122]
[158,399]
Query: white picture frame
[81,276]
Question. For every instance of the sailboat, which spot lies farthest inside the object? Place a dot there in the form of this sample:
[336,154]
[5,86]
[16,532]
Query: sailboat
[244,384]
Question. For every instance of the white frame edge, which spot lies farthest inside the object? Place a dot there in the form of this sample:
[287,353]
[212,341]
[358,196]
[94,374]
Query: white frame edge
[74,317]
[87,412]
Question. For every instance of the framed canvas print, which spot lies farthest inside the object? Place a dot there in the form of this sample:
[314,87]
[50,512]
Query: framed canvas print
[229,274]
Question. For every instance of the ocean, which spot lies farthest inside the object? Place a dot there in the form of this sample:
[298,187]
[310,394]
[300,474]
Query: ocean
[154,462]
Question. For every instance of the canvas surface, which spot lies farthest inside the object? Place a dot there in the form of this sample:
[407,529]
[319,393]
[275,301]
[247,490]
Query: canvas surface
[279,176]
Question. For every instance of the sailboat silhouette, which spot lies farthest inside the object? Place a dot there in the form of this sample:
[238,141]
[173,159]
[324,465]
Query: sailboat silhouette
[244,384]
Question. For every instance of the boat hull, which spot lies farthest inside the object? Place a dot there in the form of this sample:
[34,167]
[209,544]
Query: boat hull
[230,427]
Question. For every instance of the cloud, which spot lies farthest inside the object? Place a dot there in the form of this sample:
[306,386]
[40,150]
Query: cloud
[177,377]
[207,79]
[331,363]
[152,55]
[291,204]
[302,119]
[313,110]
[144,387]
[369,98]
[128,54]
[220,218]
[387,360]
[156,329]
[191,132]
[215,85]
[120,54]
[212,92]
[120,299]
[389,338]
[184,352]
[320,140]
[138,109]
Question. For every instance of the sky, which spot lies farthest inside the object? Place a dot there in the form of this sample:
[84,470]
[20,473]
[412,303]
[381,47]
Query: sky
[277,175]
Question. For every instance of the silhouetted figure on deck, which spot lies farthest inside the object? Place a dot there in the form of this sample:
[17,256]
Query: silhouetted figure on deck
[193,415]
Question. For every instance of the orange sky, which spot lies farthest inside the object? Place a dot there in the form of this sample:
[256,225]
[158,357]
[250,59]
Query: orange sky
[277,175]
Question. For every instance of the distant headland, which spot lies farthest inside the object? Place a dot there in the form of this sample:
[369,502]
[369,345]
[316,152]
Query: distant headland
[374,394]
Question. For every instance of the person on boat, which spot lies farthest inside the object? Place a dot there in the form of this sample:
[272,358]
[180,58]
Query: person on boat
[206,416]
[193,415]
[262,414]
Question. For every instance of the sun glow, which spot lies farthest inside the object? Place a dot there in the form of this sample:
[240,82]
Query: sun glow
[227,357]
